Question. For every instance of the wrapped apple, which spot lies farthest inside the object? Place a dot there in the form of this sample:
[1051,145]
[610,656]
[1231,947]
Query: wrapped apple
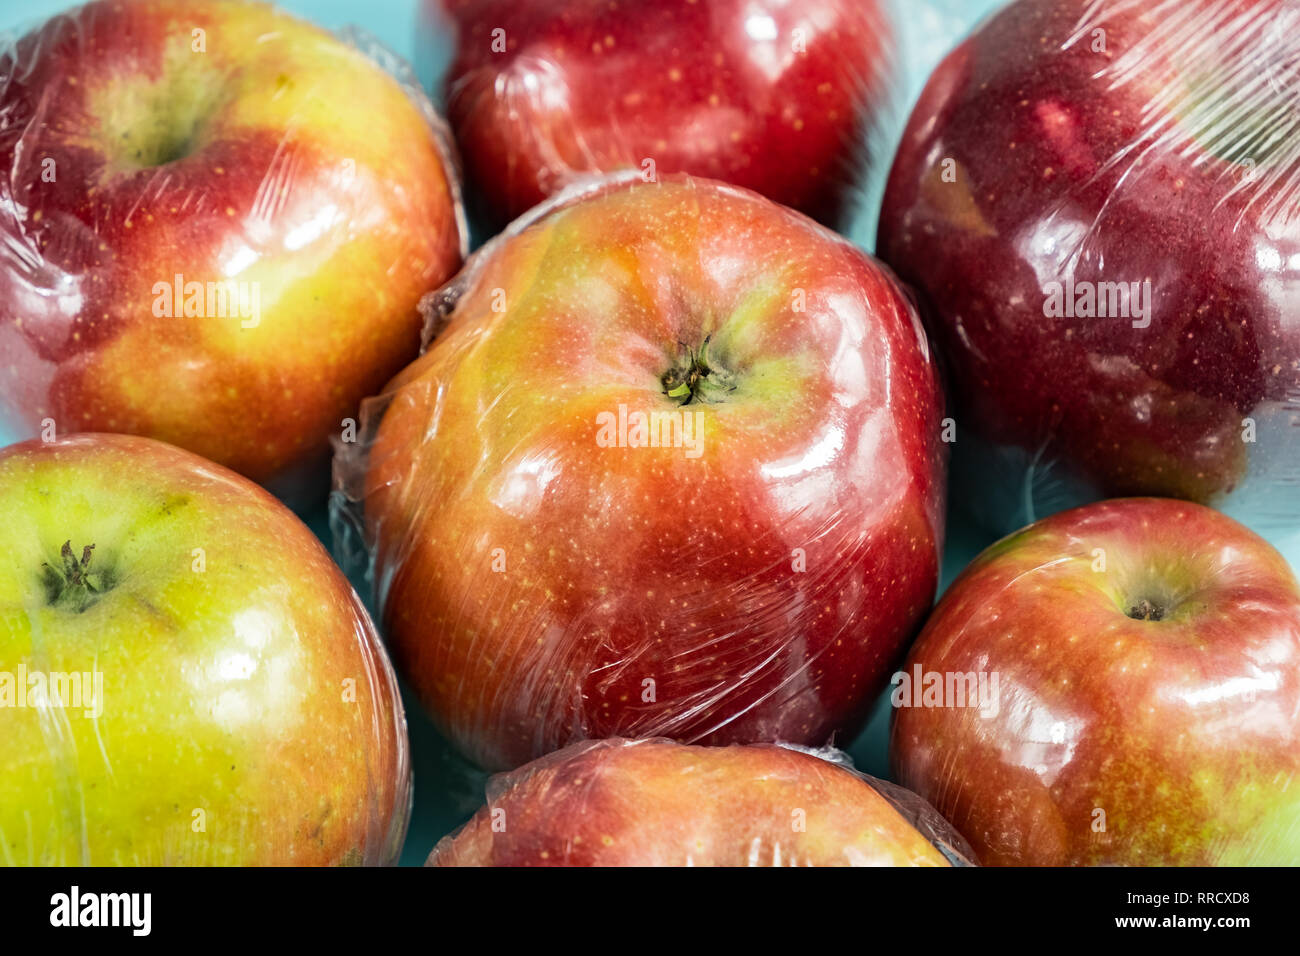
[216,223]
[1118,684]
[674,467]
[1099,206]
[185,675]
[658,803]
[785,99]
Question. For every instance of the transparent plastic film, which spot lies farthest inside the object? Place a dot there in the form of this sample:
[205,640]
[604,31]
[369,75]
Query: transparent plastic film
[1099,204]
[785,99]
[671,467]
[216,223]
[1115,685]
[657,803]
[186,678]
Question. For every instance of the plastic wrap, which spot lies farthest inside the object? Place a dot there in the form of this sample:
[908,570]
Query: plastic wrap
[1100,206]
[672,467]
[216,222]
[1115,685]
[781,98]
[189,679]
[658,803]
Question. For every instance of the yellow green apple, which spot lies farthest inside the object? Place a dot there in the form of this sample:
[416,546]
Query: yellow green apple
[185,676]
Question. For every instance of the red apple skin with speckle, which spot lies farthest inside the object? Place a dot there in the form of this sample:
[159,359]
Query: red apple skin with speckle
[542,584]
[778,98]
[1147,657]
[657,803]
[1041,148]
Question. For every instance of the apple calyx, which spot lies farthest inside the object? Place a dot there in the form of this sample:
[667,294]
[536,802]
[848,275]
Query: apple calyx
[1146,611]
[696,378]
[73,585]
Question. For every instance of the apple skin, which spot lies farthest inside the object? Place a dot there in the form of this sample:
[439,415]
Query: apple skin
[759,591]
[223,682]
[658,803]
[712,89]
[279,157]
[1184,731]
[1051,157]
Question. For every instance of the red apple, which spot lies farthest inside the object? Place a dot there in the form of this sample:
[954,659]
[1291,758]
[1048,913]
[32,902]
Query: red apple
[217,223]
[674,469]
[185,675]
[777,97]
[1144,657]
[658,803]
[1065,146]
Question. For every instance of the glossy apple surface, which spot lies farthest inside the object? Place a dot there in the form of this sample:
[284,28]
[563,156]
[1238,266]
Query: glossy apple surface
[1147,654]
[221,142]
[544,579]
[246,713]
[780,98]
[657,803]
[1133,143]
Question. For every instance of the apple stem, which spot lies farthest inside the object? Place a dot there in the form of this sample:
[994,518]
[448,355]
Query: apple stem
[74,584]
[695,377]
[1146,611]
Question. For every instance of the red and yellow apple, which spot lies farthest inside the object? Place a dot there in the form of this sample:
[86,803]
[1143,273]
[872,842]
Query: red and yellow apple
[658,803]
[673,469]
[781,98]
[217,223]
[185,676]
[1145,655]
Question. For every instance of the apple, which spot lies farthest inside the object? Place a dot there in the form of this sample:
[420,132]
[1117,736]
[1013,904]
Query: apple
[185,675]
[1144,655]
[218,221]
[674,468]
[780,98]
[659,803]
[1097,205]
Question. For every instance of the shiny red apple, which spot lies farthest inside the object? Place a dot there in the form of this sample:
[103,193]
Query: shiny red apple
[1140,660]
[658,803]
[1098,204]
[673,469]
[216,222]
[777,97]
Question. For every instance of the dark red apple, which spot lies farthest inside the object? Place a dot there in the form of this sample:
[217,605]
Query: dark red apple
[658,803]
[674,469]
[1137,672]
[1067,148]
[776,97]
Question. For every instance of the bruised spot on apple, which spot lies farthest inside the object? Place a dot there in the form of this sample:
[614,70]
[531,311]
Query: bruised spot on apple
[657,803]
[185,675]
[673,469]
[218,223]
[1147,656]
